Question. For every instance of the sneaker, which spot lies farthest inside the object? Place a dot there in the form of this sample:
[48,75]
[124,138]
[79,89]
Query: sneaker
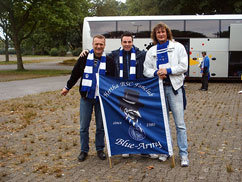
[125,155]
[184,161]
[163,157]
[151,156]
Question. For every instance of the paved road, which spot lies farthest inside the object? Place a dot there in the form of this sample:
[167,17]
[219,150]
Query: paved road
[20,88]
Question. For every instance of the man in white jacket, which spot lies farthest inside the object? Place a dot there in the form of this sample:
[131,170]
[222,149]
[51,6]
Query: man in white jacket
[169,61]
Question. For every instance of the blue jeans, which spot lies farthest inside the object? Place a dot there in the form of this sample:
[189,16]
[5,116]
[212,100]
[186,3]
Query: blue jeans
[175,103]
[86,108]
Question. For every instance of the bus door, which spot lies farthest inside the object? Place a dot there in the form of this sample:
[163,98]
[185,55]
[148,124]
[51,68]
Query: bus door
[235,48]
[217,51]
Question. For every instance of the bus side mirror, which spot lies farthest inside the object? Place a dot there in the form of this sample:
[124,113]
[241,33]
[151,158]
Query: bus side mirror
[194,58]
[213,59]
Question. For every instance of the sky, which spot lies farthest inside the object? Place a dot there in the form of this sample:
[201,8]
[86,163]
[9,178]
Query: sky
[1,33]
[123,1]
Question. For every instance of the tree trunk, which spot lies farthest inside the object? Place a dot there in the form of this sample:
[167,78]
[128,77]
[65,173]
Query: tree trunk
[20,65]
[6,49]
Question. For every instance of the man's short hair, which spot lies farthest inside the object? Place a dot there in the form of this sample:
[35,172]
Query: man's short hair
[126,34]
[204,52]
[98,36]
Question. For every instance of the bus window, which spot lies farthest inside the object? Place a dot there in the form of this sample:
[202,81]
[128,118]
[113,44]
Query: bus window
[202,28]
[106,28]
[176,26]
[139,28]
[225,24]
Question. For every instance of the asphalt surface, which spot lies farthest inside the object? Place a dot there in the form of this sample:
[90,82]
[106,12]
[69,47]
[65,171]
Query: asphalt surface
[20,88]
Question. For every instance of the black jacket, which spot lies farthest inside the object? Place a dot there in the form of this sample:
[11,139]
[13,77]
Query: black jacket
[78,70]
[140,58]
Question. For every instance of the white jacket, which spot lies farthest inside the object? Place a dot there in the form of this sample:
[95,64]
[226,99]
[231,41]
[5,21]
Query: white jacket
[178,62]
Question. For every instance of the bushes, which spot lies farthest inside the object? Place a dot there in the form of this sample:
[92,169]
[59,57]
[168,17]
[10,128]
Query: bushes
[10,51]
[76,52]
[54,52]
[62,51]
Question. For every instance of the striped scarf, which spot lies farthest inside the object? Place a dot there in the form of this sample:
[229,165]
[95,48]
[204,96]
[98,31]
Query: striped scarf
[132,72]
[162,56]
[88,71]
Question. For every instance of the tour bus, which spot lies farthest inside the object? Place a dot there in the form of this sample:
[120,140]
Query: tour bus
[219,35]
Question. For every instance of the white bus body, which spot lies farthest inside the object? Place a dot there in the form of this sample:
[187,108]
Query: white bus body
[218,35]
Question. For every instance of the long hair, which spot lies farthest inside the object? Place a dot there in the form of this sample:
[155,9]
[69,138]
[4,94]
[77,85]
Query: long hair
[156,28]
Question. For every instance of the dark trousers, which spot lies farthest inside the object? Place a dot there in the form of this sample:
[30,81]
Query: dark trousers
[205,81]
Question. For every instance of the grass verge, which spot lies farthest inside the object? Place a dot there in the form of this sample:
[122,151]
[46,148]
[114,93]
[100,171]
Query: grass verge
[69,62]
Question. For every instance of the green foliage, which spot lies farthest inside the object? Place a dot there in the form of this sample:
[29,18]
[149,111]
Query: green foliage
[46,22]
[10,51]
[76,52]
[60,25]
[182,7]
[54,52]
[62,51]
[106,8]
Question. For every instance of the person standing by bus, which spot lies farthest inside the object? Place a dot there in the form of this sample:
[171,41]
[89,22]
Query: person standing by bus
[85,68]
[169,61]
[205,71]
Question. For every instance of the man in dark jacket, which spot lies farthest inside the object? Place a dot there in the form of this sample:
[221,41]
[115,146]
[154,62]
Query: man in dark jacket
[85,68]
[125,56]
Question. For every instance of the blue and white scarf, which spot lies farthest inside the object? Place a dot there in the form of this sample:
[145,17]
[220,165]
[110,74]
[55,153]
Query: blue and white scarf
[162,55]
[88,71]
[132,72]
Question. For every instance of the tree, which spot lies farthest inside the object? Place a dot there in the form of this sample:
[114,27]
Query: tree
[142,7]
[60,25]
[53,17]
[21,22]
[106,8]
[182,7]
[5,27]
